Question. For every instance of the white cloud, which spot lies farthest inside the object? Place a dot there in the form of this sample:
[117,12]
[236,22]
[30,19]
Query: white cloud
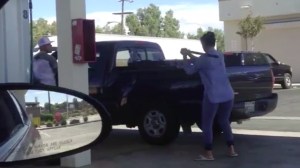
[193,16]
[50,19]
[190,16]
[102,18]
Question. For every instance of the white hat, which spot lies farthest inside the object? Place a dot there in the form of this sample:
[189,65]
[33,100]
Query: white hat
[43,41]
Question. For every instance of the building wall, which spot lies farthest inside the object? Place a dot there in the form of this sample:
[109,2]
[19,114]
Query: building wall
[283,44]
[237,9]
[14,42]
[280,36]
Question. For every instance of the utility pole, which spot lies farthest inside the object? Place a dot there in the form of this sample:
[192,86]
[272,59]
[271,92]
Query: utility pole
[49,101]
[122,14]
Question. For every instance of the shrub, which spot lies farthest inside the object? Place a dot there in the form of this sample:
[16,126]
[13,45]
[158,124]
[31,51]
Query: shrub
[49,124]
[63,122]
[46,117]
[74,121]
[85,118]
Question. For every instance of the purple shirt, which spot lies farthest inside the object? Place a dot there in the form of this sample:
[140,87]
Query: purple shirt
[211,68]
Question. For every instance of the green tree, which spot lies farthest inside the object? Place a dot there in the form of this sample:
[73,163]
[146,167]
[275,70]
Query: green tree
[53,28]
[99,29]
[149,22]
[218,33]
[249,28]
[52,107]
[41,27]
[107,29]
[200,32]
[170,26]
[116,29]
[134,25]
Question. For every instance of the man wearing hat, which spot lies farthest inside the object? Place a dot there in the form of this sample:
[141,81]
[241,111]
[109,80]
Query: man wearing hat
[44,65]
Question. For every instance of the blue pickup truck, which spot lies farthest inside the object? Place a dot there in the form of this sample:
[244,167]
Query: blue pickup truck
[140,88]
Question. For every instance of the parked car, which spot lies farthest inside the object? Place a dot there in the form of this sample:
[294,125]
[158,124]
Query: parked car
[282,72]
[140,88]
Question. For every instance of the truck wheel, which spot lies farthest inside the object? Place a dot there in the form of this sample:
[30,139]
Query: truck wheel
[287,81]
[158,126]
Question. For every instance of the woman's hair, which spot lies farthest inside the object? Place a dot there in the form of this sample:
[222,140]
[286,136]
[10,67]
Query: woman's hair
[208,39]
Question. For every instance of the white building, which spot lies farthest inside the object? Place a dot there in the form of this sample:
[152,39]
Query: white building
[280,36]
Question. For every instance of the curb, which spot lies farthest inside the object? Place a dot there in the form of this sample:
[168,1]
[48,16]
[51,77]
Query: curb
[294,85]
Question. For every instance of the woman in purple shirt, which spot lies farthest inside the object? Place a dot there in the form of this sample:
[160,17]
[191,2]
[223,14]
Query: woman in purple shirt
[218,94]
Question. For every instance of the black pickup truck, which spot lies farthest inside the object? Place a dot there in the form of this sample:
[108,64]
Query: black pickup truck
[140,88]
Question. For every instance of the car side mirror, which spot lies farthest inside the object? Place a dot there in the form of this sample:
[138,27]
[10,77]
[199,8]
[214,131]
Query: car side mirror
[40,121]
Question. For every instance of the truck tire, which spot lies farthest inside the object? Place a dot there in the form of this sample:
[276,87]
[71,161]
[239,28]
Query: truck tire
[287,81]
[158,126]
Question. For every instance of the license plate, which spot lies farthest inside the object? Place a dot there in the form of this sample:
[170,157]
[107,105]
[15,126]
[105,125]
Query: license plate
[249,107]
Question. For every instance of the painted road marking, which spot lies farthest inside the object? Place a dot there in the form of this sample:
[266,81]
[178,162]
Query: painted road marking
[238,131]
[45,134]
[267,133]
[275,118]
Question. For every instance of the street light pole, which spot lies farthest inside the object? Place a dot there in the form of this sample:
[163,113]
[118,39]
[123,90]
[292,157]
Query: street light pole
[123,13]
[122,18]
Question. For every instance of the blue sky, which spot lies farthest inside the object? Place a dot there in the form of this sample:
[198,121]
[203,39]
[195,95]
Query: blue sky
[191,13]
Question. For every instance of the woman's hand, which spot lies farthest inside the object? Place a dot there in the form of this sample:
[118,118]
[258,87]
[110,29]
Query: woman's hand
[185,51]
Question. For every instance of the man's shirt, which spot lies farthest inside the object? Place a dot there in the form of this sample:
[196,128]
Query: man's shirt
[45,68]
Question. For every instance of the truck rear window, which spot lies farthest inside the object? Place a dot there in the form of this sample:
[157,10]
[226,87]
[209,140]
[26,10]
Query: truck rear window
[253,59]
[150,54]
[232,59]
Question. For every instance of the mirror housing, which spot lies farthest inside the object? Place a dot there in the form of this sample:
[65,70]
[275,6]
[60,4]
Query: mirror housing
[45,143]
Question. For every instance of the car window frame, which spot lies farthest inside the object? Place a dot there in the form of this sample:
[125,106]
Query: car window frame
[19,132]
[271,57]
[20,109]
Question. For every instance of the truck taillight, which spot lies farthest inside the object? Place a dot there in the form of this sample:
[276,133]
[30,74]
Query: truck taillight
[93,90]
[273,79]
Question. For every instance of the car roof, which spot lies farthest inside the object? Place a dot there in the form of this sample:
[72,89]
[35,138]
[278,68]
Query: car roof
[127,41]
[139,43]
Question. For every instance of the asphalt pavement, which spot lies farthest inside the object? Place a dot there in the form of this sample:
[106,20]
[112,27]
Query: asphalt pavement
[286,116]
[268,141]
[61,139]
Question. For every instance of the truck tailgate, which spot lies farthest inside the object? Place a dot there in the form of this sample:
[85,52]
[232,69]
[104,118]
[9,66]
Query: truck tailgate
[251,82]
